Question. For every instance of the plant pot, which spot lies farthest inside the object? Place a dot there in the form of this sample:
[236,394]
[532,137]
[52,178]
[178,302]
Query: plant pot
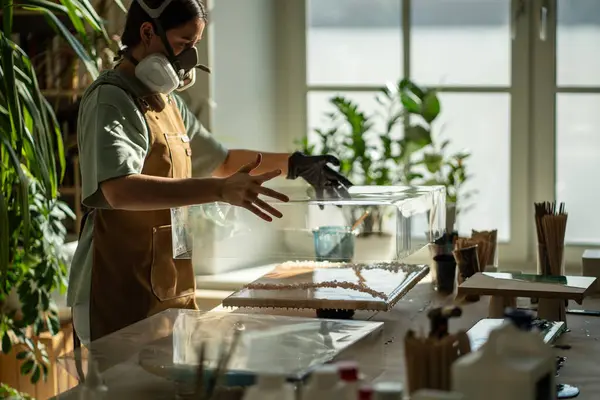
[444,266]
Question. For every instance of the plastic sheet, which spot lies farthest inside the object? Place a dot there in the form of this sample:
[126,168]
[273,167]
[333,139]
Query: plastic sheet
[166,345]
[388,222]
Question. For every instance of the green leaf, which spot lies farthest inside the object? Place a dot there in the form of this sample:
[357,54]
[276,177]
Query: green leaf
[412,176]
[37,372]
[71,40]
[4,239]
[27,366]
[408,85]
[433,182]
[411,102]
[6,343]
[22,355]
[7,16]
[119,3]
[418,134]
[433,162]
[431,106]
[54,325]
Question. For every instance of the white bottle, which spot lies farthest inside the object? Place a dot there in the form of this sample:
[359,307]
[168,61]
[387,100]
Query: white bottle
[93,388]
[427,394]
[270,387]
[348,371]
[513,364]
[323,384]
[388,391]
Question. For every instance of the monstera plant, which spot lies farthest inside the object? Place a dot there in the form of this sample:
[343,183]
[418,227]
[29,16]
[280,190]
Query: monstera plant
[32,162]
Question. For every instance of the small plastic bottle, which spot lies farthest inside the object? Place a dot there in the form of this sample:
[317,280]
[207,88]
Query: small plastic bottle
[93,388]
[388,391]
[270,387]
[365,392]
[323,384]
[348,371]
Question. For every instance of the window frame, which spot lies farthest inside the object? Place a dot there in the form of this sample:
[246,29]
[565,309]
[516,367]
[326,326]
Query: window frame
[532,137]
[544,96]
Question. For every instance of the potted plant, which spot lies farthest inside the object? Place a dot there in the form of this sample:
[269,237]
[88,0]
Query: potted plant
[32,265]
[441,167]
[373,151]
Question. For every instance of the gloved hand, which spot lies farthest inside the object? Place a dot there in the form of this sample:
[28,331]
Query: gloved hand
[324,179]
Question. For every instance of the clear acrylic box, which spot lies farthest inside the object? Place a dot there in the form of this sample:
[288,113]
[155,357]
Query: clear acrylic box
[376,224]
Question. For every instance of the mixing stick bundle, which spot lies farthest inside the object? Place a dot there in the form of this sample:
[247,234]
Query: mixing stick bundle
[429,359]
[551,226]
[486,246]
[467,260]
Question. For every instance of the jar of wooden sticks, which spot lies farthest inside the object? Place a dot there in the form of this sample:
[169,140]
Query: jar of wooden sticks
[489,255]
[551,226]
[429,359]
[467,261]
[486,247]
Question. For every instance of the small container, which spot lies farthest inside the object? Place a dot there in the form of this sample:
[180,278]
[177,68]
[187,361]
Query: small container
[323,384]
[270,387]
[514,363]
[445,271]
[348,371]
[388,391]
[334,243]
[366,392]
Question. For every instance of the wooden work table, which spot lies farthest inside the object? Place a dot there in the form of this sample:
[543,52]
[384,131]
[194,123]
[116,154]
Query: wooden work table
[381,356]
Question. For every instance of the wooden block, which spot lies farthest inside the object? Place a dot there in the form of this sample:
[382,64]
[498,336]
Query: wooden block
[58,379]
[552,310]
[590,262]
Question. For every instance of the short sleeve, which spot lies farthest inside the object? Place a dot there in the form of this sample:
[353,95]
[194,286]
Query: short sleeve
[113,140]
[207,153]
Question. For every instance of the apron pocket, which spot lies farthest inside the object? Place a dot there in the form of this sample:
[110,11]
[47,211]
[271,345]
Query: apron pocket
[169,278]
[181,154]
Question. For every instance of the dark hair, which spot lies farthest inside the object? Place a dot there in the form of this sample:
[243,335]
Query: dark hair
[177,13]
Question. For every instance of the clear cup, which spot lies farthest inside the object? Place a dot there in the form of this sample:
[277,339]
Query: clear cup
[334,243]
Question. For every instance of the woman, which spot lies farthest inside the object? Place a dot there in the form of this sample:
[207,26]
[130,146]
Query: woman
[141,152]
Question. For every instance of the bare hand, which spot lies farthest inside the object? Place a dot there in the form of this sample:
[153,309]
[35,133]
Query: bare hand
[242,189]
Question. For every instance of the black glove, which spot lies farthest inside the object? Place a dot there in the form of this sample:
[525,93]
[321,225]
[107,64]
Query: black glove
[323,178]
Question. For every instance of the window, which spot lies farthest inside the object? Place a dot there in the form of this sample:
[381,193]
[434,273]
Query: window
[519,85]
[355,47]
[578,116]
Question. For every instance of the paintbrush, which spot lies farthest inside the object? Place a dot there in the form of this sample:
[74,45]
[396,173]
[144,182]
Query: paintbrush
[200,373]
[225,357]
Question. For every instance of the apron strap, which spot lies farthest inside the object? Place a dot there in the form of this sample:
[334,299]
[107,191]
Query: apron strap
[76,341]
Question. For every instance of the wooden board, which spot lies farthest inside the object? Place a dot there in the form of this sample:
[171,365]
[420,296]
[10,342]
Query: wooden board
[525,285]
[338,286]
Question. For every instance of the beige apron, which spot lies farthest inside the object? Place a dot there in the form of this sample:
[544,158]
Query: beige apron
[134,274]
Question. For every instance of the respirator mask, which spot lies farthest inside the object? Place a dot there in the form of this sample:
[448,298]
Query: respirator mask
[164,74]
